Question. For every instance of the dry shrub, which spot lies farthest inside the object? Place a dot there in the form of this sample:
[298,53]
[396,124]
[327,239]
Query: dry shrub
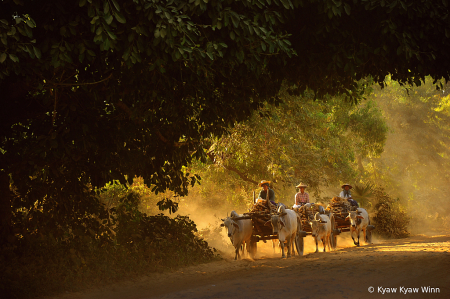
[391,221]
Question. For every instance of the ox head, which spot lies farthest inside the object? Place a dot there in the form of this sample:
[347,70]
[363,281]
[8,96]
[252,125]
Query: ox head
[277,222]
[354,218]
[315,224]
[231,225]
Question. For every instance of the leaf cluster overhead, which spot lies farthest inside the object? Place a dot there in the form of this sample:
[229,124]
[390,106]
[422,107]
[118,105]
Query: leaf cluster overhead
[95,89]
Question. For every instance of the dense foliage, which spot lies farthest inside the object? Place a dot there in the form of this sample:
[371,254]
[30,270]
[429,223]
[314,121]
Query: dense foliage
[338,41]
[94,91]
[315,142]
[391,219]
[130,243]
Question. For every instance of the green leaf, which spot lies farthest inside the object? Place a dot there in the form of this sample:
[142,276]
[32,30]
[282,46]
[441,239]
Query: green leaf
[28,31]
[82,3]
[106,8]
[107,44]
[163,32]
[108,18]
[120,18]
[235,21]
[116,5]
[232,35]
[347,8]
[111,35]
[2,57]
[13,57]
[37,52]
[285,3]
[31,23]
[210,55]
[12,31]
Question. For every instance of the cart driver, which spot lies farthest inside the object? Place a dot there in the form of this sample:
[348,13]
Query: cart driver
[266,188]
[348,195]
[302,197]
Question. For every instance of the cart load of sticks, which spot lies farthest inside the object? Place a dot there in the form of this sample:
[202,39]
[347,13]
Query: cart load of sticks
[339,205]
[260,207]
[308,211]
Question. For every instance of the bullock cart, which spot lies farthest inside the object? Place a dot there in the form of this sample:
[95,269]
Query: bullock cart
[307,213]
[340,208]
[261,214]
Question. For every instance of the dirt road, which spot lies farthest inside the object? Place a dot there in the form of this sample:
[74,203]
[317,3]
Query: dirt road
[393,269]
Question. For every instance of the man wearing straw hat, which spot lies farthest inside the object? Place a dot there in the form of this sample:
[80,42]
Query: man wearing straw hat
[302,197]
[266,189]
[348,195]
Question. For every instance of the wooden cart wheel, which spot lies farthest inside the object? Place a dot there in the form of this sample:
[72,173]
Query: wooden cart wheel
[253,249]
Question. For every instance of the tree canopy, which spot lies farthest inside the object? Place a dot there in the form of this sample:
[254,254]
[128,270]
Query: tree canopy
[303,140]
[93,90]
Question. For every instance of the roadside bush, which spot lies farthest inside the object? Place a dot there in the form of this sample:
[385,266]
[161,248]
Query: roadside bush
[119,242]
[390,219]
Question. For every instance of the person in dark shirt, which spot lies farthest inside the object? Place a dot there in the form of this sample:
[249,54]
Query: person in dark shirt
[263,193]
[345,193]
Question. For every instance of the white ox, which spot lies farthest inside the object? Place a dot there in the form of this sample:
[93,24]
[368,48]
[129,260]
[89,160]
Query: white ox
[239,232]
[285,225]
[321,230]
[359,220]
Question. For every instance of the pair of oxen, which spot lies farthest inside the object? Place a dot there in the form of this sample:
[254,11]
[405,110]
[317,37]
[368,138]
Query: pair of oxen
[286,224]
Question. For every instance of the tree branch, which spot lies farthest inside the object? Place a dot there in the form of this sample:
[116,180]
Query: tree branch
[231,168]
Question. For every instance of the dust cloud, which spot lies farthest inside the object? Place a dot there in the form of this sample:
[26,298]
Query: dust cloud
[208,220]
[414,166]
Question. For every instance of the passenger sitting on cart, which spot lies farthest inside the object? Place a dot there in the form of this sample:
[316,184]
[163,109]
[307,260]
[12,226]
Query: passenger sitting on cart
[302,197]
[265,188]
[348,195]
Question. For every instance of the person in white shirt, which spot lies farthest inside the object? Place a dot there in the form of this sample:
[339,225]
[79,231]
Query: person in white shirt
[348,195]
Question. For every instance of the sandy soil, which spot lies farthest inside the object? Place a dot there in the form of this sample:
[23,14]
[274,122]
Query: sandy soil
[348,272]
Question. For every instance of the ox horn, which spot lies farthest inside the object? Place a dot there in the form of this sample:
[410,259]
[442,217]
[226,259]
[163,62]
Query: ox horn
[316,216]
[283,214]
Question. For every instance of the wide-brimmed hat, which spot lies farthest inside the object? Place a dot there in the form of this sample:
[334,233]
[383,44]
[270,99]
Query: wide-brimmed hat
[301,185]
[264,182]
[346,185]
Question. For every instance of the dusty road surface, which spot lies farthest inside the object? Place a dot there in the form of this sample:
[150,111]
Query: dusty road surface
[415,267]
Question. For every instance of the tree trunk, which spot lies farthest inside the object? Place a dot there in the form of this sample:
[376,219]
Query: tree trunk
[5,210]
